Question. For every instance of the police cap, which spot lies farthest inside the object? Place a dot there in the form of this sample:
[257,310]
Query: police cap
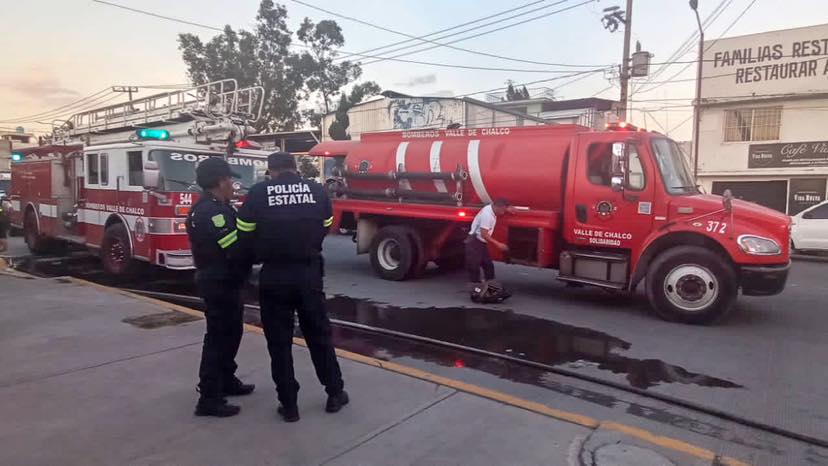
[209,172]
[281,161]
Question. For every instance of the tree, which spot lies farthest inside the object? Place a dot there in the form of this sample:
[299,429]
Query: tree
[524,93]
[263,57]
[308,166]
[339,127]
[515,94]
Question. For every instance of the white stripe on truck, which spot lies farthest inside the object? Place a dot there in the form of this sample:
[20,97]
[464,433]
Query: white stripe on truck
[404,184]
[435,165]
[474,171]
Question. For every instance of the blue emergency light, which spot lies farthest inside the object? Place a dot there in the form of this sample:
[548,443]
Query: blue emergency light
[156,134]
[17,157]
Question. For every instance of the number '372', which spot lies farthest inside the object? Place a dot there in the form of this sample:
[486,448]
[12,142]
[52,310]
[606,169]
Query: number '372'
[716,227]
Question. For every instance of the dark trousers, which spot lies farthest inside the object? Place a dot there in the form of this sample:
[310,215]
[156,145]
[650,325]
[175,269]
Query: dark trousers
[224,314]
[477,257]
[285,289]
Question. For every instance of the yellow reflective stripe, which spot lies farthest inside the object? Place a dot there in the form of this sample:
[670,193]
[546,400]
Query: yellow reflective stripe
[328,222]
[229,239]
[245,226]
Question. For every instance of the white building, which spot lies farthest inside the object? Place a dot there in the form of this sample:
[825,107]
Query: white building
[394,112]
[764,117]
[591,112]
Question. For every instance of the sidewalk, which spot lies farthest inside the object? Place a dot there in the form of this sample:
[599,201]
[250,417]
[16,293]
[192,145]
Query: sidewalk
[96,376]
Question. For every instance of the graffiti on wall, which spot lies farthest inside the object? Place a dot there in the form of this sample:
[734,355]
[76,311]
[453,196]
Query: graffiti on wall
[420,113]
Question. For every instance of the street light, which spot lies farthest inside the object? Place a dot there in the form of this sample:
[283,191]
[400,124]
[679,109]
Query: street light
[694,4]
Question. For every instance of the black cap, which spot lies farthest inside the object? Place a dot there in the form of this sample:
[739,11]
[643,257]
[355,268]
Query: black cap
[211,171]
[281,161]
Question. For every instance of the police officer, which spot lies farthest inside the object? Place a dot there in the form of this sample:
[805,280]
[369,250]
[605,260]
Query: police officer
[5,221]
[284,220]
[221,269]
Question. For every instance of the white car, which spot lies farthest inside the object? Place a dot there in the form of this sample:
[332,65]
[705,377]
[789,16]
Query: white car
[809,231]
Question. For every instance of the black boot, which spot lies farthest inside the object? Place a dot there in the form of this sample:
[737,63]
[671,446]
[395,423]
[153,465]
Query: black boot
[289,413]
[235,387]
[217,407]
[336,402]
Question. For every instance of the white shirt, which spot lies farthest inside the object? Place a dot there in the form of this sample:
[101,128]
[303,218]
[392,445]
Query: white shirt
[485,219]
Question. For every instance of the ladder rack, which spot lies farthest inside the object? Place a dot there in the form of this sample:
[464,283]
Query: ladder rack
[211,101]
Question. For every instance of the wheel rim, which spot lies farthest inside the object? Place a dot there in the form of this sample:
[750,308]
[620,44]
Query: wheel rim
[388,254]
[691,287]
[116,255]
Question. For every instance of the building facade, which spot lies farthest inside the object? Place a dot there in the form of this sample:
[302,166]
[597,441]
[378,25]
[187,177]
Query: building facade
[591,112]
[764,118]
[395,112]
[9,141]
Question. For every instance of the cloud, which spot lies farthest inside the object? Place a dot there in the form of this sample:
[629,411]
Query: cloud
[419,80]
[442,93]
[38,83]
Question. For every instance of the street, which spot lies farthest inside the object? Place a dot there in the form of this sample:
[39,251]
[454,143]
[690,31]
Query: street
[767,359]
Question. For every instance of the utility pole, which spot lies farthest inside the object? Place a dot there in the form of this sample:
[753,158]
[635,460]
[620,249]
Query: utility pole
[625,62]
[694,4]
[128,89]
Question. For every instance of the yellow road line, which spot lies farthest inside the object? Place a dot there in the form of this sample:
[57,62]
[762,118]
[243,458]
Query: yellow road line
[539,408]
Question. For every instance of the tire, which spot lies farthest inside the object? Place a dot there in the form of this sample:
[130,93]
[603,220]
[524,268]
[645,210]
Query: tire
[31,233]
[116,254]
[692,285]
[393,254]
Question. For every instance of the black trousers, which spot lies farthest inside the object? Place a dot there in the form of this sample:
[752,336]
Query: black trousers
[285,289]
[477,257]
[224,314]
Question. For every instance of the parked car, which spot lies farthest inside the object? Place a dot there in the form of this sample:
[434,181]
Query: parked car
[809,231]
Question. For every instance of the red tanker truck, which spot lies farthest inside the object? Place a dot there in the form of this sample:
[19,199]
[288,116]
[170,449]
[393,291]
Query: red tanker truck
[605,208]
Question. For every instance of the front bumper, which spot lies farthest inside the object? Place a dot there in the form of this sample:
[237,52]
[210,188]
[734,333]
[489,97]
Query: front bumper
[175,260]
[764,280]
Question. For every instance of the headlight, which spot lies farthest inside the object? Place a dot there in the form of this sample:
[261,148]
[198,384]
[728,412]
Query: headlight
[758,245]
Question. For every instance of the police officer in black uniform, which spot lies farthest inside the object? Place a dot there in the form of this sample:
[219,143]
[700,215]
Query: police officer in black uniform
[221,269]
[284,220]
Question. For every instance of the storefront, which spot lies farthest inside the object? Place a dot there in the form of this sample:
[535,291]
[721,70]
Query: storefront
[764,118]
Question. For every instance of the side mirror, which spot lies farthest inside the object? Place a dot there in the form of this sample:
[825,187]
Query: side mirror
[151,174]
[617,183]
[619,156]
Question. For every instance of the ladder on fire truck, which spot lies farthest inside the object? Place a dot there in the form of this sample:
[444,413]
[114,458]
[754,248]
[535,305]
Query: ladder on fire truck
[215,106]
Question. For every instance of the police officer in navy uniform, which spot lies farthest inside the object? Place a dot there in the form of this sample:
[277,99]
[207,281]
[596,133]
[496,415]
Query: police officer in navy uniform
[221,269]
[284,220]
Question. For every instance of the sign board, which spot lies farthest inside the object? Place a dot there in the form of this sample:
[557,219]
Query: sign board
[777,62]
[804,193]
[788,155]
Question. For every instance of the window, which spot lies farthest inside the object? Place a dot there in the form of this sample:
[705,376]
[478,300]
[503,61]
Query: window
[599,167]
[819,213]
[752,124]
[104,169]
[92,170]
[136,168]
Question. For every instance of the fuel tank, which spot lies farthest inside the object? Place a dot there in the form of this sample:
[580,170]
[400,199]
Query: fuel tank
[525,165]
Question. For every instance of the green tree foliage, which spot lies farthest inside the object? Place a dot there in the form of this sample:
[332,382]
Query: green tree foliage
[308,167]
[339,127]
[262,57]
[513,93]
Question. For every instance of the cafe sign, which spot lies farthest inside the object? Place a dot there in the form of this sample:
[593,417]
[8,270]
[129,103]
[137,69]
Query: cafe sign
[788,155]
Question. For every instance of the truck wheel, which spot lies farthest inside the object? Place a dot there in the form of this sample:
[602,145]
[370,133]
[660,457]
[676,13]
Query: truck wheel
[31,234]
[392,253]
[116,254]
[691,284]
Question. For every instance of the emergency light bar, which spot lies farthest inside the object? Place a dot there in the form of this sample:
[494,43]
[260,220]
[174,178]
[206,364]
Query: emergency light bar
[17,157]
[623,126]
[155,134]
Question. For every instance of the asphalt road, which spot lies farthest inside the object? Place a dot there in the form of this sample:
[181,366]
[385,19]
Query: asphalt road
[768,361]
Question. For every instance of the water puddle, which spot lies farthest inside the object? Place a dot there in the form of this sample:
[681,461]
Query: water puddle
[522,336]
[162,319]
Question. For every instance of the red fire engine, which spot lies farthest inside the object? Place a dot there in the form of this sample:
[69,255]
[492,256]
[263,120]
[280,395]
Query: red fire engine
[121,179]
[606,208]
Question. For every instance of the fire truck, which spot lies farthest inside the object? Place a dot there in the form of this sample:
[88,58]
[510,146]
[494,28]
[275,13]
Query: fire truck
[121,179]
[606,208]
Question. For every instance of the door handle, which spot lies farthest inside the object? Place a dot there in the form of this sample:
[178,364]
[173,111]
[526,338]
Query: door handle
[581,213]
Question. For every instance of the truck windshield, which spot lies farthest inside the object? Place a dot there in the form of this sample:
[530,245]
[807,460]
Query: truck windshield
[177,169]
[673,167]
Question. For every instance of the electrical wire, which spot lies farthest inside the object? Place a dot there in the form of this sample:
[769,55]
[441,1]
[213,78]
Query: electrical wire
[71,104]
[156,15]
[440,44]
[534,18]
[57,114]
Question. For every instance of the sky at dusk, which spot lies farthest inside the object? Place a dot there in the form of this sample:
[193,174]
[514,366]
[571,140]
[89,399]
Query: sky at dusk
[57,51]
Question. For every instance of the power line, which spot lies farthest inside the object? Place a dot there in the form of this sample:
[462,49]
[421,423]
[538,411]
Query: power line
[534,18]
[439,44]
[69,105]
[169,18]
[457,26]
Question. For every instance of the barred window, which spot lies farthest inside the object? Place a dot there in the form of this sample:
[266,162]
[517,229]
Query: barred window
[753,124]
